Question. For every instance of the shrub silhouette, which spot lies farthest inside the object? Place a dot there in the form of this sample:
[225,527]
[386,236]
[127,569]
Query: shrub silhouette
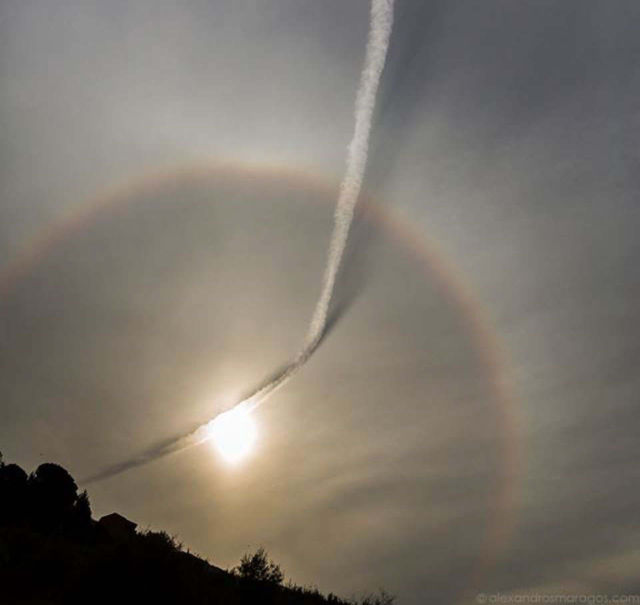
[259,567]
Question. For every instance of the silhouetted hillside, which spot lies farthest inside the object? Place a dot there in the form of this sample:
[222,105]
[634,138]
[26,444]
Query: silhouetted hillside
[53,553]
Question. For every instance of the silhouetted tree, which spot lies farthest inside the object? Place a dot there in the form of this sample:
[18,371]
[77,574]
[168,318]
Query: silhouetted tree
[54,495]
[13,495]
[382,598]
[81,518]
[259,567]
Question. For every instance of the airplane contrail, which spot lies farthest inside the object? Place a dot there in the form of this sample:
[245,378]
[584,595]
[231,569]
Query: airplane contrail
[377,45]
[381,21]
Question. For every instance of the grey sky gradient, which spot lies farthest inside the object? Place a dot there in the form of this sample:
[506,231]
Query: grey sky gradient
[506,136]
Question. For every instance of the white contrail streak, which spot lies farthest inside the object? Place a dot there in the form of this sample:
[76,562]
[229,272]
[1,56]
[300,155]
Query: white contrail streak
[381,21]
[377,45]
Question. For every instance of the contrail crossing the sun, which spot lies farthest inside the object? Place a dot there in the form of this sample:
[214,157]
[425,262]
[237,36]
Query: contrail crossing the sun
[381,20]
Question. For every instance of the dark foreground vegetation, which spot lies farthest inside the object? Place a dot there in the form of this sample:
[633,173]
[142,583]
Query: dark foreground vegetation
[53,553]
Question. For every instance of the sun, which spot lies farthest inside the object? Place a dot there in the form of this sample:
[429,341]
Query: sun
[233,434]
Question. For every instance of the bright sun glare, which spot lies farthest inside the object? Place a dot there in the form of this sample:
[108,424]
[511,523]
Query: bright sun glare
[234,434]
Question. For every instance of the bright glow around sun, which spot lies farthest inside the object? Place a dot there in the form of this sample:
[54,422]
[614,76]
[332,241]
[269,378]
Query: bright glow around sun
[234,434]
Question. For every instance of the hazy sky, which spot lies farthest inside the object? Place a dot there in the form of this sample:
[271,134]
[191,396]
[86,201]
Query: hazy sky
[168,172]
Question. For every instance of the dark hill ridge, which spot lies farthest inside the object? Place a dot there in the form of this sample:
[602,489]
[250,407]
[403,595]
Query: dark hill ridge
[52,552]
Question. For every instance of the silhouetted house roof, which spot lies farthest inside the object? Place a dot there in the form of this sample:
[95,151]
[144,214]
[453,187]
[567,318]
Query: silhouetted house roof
[118,526]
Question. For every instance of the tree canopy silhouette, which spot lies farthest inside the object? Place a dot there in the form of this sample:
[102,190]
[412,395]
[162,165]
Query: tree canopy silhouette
[56,503]
[13,494]
[260,568]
